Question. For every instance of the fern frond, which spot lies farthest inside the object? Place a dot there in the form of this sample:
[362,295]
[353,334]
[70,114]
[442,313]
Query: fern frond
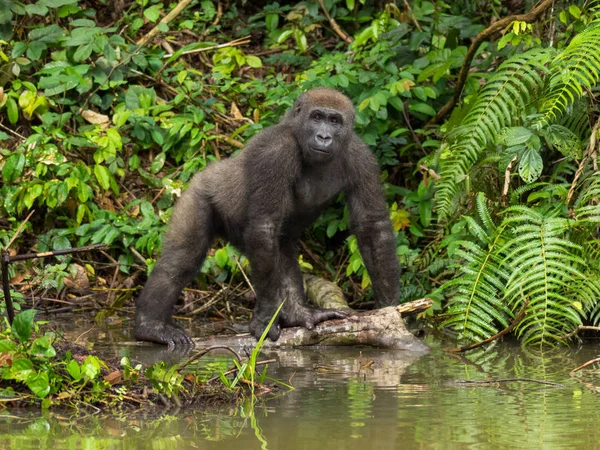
[545,267]
[575,69]
[498,104]
[475,308]
[587,205]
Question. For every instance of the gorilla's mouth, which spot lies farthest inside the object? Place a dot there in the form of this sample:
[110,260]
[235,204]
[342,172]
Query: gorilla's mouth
[319,150]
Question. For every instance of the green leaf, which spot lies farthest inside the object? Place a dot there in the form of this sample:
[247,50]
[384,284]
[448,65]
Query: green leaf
[575,11]
[158,163]
[35,49]
[39,384]
[83,52]
[350,5]
[422,108]
[284,35]
[13,167]
[221,257]
[56,3]
[7,345]
[152,13]
[301,41]
[332,228]
[253,61]
[12,110]
[272,21]
[74,370]
[43,348]
[530,165]
[102,175]
[23,324]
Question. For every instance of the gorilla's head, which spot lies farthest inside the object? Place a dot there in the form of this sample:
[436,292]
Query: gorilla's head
[322,121]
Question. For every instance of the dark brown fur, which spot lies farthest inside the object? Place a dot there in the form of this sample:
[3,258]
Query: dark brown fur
[261,201]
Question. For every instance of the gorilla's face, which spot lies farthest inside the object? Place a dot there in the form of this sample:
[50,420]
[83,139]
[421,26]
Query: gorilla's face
[324,134]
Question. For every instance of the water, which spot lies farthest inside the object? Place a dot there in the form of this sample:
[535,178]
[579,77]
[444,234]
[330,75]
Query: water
[348,398]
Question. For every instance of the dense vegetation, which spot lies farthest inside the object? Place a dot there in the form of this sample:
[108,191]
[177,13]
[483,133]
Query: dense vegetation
[107,108]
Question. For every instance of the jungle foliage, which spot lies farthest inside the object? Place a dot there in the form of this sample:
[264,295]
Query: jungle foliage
[102,127]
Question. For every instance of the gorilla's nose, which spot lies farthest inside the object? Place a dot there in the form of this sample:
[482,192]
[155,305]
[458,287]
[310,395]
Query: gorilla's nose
[324,140]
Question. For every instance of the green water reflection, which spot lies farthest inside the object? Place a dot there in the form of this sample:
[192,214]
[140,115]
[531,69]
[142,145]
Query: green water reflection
[400,402]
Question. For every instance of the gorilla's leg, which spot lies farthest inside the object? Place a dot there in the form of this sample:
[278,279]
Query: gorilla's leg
[295,313]
[284,281]
[186,242]
[261,246]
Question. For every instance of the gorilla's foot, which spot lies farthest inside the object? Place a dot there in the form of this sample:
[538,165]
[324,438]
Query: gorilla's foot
[162,333]
[301,316]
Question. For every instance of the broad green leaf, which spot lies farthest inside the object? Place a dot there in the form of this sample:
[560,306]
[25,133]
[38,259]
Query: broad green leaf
[35,49]
[102,175]
[272,21]
[39,384]
[23,324]
[422,108]
[530,165]
[284,35]
[56,3]
[253,61]
[153,13]
[74,369]
[42,347]
[13,167]
[221,257]
[83,52]
[575,11]
[12,110]
[7,345]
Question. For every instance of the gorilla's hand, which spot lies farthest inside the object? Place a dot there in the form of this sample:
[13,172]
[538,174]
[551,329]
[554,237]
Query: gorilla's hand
[259,323]
[162,332]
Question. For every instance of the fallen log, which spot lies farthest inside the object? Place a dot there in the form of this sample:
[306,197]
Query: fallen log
[383,328]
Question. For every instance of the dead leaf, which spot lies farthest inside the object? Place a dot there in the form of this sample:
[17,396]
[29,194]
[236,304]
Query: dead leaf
[114,377]
[96,118]
[235,112]
[78,281]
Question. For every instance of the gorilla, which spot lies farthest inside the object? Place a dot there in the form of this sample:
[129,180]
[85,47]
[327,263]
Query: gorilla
[260,201]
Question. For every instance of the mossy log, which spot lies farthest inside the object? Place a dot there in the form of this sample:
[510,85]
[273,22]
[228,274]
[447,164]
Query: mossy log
[383,328]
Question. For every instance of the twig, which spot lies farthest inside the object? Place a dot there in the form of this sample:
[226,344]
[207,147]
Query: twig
[18,232]
[244,275]
[529,17]
[165,20]
[494,337]
[336,28]
[6,259]
[580,328]
[589,152]
[583,366]
[412,16]
[510,380]
[407,121]
[507,176]
[203,352]
[239,41]
[5,128]
[67,251]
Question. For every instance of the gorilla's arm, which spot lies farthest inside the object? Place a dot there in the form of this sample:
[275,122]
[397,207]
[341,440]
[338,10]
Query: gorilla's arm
[370,222]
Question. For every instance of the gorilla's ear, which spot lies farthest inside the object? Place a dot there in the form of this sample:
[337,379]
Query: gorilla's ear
[298,106]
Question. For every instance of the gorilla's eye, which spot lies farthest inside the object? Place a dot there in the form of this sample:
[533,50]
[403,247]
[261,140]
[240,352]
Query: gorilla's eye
[335,120]
[318,117]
